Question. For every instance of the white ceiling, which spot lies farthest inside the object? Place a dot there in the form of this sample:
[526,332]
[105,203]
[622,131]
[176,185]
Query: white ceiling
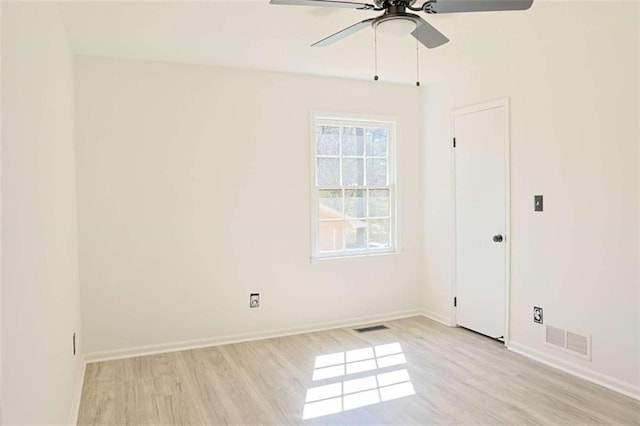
[256,35]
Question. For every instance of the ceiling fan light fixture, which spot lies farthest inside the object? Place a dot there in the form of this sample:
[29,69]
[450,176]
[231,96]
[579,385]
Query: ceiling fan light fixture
[396,27]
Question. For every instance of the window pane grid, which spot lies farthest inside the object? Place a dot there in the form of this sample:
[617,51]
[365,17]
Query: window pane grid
[367,217]
[364,216]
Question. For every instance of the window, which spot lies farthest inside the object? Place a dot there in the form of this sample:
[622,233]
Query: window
[354,201]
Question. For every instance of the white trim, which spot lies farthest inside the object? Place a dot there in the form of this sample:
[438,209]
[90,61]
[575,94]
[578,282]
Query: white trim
[492,104]
[76,397]
[482,106]
[245,337]
[326,259]
[569,367]
[442,319]
[507,219]
[345,116]
[452,183]
[346,119]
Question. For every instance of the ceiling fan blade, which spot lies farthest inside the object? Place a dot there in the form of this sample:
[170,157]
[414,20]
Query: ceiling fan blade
[426,34]
[325,3]
[342,33]
[458,6]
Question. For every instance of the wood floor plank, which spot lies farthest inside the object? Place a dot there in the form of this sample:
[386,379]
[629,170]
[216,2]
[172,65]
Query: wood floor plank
[441,375]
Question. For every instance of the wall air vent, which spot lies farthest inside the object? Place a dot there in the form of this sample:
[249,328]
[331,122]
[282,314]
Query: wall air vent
[567,341]
[372,328]
[579,344]
[555,336]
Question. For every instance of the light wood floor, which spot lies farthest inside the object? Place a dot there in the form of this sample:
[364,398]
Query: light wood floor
[458,377]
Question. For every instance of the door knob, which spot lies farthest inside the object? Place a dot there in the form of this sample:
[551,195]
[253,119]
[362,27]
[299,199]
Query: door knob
[497,238]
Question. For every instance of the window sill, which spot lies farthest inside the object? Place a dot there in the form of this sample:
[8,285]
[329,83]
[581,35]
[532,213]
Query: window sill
[329,259]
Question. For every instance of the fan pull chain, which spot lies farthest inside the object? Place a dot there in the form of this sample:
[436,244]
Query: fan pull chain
[375,53]
[417,64]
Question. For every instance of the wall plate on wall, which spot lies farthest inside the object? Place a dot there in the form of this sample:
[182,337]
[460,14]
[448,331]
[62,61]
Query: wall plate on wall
[537,315]
[538,203]
[254,300]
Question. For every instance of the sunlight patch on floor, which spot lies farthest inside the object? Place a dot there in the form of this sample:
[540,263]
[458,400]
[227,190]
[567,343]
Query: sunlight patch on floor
[355,393]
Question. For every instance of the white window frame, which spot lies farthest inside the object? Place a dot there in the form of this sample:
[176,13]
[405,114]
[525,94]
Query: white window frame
[364,121]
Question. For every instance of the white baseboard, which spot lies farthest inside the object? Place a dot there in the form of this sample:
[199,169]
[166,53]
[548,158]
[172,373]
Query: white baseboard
[628,389]
[442,319]
[77,394]
[244,337]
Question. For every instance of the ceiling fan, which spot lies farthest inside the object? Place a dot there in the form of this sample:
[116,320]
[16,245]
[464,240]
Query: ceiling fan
[398,22]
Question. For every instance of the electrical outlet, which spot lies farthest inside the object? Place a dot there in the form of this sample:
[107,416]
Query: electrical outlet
[537,315]
[254,300]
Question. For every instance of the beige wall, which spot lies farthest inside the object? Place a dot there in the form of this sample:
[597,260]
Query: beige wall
[40,291]
[574,139]
[180,167]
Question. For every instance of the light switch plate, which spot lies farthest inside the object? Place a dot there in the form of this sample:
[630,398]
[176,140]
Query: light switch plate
[537,203]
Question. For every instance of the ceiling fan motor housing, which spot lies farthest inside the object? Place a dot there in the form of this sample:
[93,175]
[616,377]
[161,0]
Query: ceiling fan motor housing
[400,19]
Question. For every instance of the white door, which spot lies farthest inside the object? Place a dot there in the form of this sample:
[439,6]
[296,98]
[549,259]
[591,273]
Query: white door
[480,221]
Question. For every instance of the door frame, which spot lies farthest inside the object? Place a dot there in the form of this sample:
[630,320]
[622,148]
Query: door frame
[456,112]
